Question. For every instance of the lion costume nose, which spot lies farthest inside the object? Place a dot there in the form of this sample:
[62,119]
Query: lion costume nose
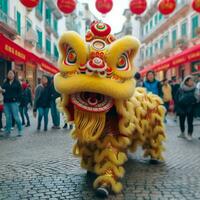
[96,65]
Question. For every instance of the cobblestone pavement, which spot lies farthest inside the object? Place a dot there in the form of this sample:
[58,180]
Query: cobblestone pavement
[41,166]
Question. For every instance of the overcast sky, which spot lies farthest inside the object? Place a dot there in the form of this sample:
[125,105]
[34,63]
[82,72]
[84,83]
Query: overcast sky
[114,18]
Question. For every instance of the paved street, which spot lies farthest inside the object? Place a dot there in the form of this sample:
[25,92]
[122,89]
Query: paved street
[41,166]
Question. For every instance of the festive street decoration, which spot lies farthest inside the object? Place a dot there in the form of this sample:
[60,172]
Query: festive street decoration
[30,3]
[104,6]
[138,6]
[110,115]
[166,7]
[66,6]
[196,5]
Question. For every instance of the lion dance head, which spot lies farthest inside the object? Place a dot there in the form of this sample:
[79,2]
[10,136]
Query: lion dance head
[94,75]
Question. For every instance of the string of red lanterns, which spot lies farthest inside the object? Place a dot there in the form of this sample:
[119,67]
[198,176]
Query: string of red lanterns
[196,5]
[137,7]
[30,3]
[66,6]
[104,6]
[166,7]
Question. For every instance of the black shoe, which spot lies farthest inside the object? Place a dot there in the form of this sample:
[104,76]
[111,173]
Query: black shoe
[38,128]
[65,126]
[102,192]
[45,129]
[27,125]
[154,162]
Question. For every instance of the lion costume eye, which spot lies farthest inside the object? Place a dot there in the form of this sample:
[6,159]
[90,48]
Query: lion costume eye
[122,63]
[71,56]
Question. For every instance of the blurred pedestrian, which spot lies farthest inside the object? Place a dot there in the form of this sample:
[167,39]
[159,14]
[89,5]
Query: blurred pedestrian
[55,114]
[12,96]
[151,84]
[1,108]
[42,102]
[139,81]
[26,99]
[186,102]
[175,87]
[167,95]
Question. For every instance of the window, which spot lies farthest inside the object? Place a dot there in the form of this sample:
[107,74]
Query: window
[39,8]
[4,6]
[28,24]
[151,51]
[195,24]
[156,46]
[48,46]
[160,16]
[174,38]
[161,43]
[48,15]
[55,25]
[147,28]
[39,39]
[156,19]
[56,54]
[184,29]
[147,52]
[18,22]
[151,24]
[166,40]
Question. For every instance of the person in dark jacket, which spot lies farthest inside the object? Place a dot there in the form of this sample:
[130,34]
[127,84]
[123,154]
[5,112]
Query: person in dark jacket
[139,81]
[186,102]
[26,99]
[42,102]
[152,85]
[54,111]
[175,87]
[12,96]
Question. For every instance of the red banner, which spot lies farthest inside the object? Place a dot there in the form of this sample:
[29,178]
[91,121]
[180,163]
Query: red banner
[18,54]
[188,55]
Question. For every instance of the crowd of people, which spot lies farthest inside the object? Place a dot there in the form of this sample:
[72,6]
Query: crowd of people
[16,99]
[180,97]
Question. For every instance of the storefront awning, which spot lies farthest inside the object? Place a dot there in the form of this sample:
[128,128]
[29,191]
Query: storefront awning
[15,52]
[188,55]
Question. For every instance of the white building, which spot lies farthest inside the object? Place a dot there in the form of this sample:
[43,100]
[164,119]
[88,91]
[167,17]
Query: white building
[165,37]
[130,27]
[80,19]
[35,31]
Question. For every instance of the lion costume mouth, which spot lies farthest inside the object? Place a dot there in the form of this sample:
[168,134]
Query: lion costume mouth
[91,102]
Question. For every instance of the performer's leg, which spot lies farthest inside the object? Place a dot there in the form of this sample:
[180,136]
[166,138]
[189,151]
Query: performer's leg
[109,158]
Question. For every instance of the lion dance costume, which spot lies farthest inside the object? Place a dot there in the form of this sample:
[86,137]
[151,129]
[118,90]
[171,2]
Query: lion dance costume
[111,116]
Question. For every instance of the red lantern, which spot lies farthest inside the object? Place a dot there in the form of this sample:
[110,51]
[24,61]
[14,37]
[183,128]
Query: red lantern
[138,6]
[166,7]
[30,3]
[196,5]
[104,6]
[66,6]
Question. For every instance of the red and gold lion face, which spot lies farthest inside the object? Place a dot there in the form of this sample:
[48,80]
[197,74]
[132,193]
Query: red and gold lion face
[95,73]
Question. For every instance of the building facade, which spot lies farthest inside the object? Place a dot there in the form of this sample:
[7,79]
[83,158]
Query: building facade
[169,43]
[29,39]
[80,19]
[130,27]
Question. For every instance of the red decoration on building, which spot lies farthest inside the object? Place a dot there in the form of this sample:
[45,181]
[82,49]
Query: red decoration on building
[104,6]
[30,3]
[66,6]
[138,6]
[196,5]
[166,7]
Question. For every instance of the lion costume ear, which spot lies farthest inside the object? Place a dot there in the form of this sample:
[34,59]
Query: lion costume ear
[73,41]
[128,45]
